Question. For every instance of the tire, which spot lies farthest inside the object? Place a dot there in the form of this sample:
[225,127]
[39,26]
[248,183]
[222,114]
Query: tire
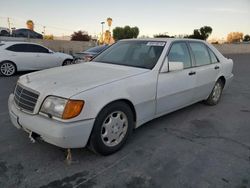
[67,62]
[112,127]
[7,68]
[215,95]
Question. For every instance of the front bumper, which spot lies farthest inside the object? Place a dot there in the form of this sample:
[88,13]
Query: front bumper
[64,135]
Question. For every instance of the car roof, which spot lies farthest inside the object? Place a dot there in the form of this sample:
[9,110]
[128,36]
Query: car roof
[162,39]
[9,43]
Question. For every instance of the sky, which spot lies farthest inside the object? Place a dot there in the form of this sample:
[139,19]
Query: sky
[62,17]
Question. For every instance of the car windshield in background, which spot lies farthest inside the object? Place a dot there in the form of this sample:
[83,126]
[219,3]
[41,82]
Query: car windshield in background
[142,54]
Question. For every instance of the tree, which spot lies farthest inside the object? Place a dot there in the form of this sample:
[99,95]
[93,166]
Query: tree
[203,33]
[48,37]
[126,32]
[80,36]
[164,35]
[144,37]
[234,37]
[246,38]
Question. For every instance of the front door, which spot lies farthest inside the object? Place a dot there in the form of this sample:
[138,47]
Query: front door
[175,89]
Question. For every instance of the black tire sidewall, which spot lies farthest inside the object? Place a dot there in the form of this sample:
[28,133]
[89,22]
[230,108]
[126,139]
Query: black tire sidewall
[65,62]
[96,142]
[1,63]
[210,100]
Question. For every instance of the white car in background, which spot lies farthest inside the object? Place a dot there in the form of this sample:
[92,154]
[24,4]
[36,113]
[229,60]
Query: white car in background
[98,104]
[24,56]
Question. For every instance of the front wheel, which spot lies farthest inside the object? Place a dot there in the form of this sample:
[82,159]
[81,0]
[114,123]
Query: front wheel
[7,68]
[67,62]
[215,95]
[112,127]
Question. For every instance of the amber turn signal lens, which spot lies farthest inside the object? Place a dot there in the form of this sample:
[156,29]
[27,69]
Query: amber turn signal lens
[72,109]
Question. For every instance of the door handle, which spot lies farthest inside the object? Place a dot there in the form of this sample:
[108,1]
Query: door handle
[216,67]
[191,73]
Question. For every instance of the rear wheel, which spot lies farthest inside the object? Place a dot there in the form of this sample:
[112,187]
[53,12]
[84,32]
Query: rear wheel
[215,95]
[67,62]
[7,68]
[112,127]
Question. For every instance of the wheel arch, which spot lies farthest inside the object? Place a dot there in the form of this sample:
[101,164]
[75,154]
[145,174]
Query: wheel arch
[126,101]
[10,62]
[223,79]
[66,59]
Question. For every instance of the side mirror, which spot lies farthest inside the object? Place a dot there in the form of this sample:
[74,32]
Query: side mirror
[175,66]
[164,67]
[172,66]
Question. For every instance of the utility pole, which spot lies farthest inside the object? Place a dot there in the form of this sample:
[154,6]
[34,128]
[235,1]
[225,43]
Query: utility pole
[8,21]
[102,30]
[44,27]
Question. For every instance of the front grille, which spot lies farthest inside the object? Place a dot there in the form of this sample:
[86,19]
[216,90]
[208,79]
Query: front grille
[25,99]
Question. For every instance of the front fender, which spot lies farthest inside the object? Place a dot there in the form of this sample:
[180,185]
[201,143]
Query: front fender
[140,90]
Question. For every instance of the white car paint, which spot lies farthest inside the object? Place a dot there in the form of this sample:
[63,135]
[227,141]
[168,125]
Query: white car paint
[25,61]
[152,93]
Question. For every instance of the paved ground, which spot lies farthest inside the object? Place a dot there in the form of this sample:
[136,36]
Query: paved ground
[196,147]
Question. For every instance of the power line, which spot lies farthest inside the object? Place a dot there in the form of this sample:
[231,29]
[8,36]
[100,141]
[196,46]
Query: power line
[15,21]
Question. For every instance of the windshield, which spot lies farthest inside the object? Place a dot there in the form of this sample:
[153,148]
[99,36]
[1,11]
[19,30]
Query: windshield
[142,54]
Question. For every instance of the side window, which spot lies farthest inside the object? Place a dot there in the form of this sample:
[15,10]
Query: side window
[200,53]
[17,48]
[179,53]
[36,49]
[214,59]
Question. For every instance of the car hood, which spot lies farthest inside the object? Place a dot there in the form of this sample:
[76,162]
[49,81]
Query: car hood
[70,80]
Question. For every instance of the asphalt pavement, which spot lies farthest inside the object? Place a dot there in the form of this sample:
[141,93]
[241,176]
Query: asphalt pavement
[197,147]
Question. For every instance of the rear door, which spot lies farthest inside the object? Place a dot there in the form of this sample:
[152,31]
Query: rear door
[175,89]
[207,69]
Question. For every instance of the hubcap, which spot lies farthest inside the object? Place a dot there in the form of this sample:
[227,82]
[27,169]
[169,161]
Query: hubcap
[7,69]
[216,92]
[114,128]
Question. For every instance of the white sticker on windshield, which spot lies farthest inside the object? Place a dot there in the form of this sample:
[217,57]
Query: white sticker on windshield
[156,43]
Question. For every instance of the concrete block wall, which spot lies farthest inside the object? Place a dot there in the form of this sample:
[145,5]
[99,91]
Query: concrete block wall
[240,48]
[71,47]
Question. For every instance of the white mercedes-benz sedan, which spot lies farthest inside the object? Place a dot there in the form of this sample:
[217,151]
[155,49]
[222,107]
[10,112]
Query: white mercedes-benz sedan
[24,56]
[98,104]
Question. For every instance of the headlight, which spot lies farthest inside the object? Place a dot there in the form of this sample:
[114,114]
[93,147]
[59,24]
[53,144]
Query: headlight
[62,108]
